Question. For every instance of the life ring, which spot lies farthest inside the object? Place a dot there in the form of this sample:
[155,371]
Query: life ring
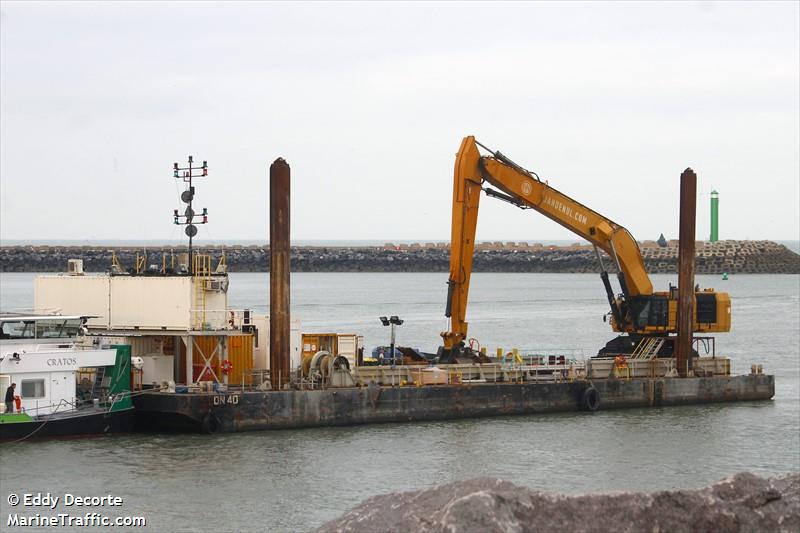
[620,362]
[590,399]
[226,366]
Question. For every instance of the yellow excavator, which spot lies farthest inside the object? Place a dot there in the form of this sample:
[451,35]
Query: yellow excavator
[636,310]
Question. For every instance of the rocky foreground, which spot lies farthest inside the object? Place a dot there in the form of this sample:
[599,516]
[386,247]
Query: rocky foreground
[733,257]
[742,503]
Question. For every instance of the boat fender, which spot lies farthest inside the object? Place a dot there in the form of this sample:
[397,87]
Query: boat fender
[590,399]
[210,423]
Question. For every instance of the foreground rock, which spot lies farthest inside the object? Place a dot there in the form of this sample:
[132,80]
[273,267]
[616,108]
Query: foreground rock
[744,502]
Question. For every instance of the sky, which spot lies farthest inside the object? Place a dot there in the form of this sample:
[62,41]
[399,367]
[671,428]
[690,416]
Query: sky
[368,102]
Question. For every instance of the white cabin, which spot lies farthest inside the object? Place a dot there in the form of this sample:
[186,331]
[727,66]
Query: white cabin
[39,353]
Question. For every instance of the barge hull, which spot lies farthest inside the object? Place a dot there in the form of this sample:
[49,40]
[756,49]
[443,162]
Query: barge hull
[246,411]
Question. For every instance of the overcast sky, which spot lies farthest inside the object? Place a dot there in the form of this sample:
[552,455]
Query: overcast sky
[369,103]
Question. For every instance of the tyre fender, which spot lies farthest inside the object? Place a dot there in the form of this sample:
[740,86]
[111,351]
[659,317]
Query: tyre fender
[590,399]
[210,424]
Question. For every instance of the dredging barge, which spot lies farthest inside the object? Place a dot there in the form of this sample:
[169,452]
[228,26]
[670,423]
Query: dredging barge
[655,362]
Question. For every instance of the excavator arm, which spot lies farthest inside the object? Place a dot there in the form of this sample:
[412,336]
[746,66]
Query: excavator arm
[467,183]
[637,310]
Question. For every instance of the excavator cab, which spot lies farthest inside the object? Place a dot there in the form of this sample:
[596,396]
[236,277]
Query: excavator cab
[657,313]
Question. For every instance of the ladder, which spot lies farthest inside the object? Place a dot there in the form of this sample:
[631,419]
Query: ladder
[99,376]
[647,348]
[202,275]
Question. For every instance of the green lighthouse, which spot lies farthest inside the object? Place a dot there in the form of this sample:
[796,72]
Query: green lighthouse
[714,216]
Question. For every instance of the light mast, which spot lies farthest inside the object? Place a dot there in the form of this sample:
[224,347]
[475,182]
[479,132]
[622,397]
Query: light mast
[187,218]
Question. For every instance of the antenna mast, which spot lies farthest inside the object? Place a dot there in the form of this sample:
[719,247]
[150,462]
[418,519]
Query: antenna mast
[187,218]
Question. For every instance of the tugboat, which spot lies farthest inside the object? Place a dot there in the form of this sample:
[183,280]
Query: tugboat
[61,383]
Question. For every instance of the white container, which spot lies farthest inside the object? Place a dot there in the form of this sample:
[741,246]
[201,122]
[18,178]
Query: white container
[156,368]
[171,303]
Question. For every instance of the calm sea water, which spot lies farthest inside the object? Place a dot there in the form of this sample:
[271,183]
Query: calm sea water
[296,480]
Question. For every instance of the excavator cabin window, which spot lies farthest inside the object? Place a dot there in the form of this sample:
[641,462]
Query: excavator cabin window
[659,312]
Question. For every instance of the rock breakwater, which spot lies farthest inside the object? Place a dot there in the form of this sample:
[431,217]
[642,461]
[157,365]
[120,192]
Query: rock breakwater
[744,502]
[734,257]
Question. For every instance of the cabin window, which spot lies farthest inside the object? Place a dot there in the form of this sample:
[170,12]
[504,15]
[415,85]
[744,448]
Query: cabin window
[32,388]
[17,330]
[54,329]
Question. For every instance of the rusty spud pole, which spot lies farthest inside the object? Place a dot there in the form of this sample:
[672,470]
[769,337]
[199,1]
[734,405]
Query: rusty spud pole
[279,257]
[685,317]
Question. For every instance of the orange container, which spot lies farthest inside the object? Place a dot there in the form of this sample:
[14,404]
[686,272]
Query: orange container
[240,354]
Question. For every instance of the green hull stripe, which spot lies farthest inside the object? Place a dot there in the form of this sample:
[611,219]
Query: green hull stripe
[15,418]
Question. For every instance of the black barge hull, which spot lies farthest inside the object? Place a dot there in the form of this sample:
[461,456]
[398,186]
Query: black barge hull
[247,411]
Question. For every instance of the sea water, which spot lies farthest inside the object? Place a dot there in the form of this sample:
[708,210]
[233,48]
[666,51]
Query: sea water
[295,480]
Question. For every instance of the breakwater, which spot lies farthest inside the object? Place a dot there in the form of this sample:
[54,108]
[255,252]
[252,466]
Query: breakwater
[744,502]
[734,257]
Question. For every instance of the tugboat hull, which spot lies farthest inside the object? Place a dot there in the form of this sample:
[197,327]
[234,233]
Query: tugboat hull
[77,425]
